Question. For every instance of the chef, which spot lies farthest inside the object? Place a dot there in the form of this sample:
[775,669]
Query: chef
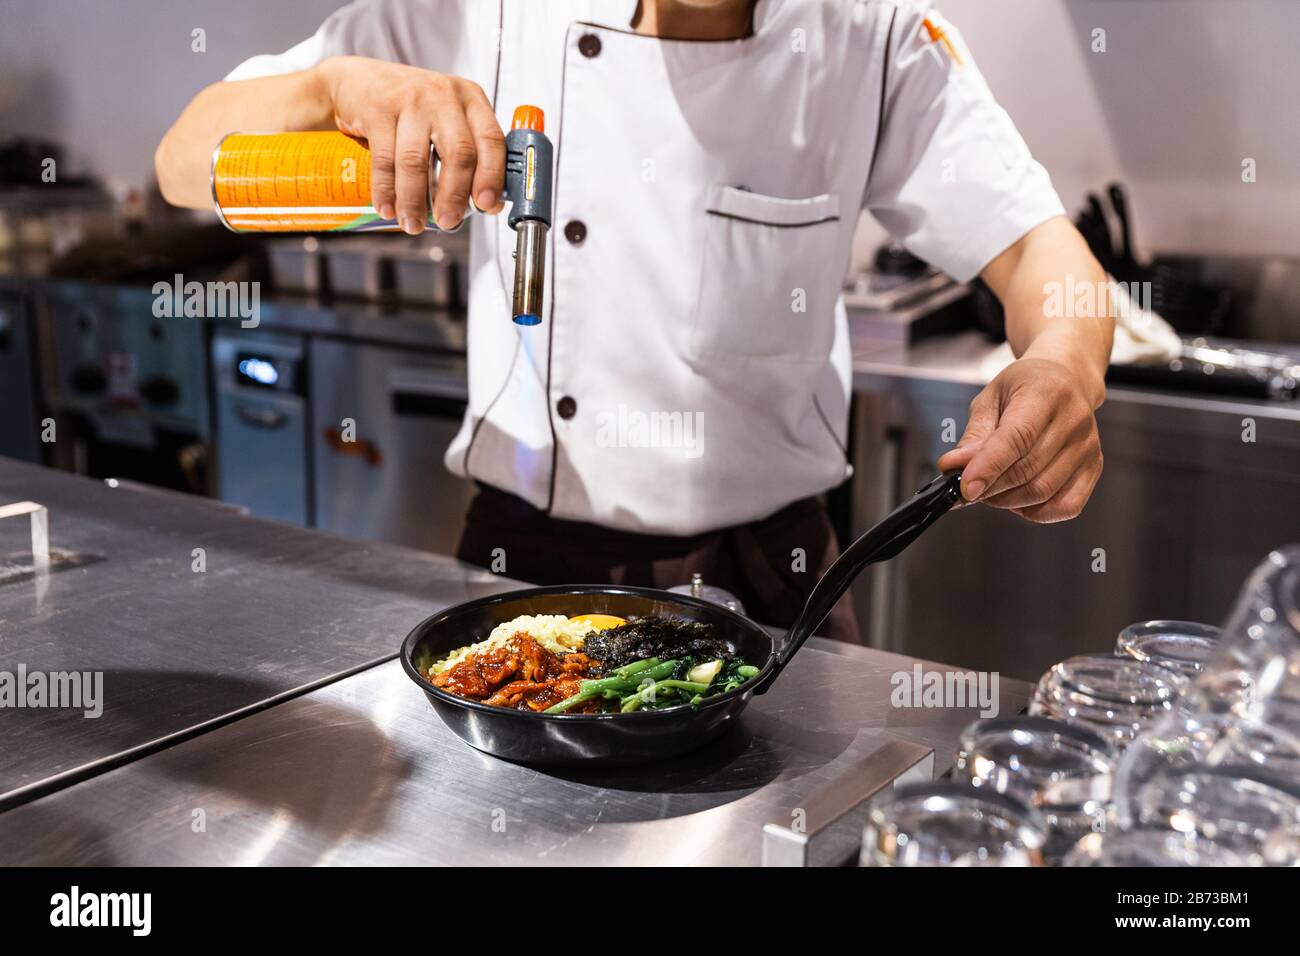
[683,405]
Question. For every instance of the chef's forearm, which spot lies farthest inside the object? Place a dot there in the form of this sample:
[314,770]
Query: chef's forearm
[1056,298]
[294,101]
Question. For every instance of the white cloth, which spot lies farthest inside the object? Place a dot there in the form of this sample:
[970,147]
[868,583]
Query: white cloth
[697,333]
[1141,337]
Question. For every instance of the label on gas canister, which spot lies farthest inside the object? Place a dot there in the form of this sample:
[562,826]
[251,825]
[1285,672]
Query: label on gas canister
[296,182]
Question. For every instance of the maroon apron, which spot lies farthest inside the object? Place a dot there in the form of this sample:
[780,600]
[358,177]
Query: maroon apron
[755,562]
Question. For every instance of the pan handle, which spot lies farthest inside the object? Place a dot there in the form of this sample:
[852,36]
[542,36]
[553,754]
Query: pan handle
[886,539]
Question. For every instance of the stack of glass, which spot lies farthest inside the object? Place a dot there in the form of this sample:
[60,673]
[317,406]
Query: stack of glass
[1117,697]
[1064,771]
[950,823]
[1148,848]
[1194,733]
[1224,770]
[1182,646]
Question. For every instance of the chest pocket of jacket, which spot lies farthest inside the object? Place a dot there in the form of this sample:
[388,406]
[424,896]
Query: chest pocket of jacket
[771,271]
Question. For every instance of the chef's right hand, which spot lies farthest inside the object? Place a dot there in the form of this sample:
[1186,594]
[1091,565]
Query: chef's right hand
[399,110]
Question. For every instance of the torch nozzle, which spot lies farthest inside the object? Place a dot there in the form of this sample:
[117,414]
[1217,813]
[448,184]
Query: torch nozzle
[530,271]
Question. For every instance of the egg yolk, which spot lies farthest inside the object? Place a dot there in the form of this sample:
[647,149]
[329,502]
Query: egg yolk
[601,622]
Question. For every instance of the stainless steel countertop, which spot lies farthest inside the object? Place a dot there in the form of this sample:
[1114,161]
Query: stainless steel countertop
[278,609]
[363,772]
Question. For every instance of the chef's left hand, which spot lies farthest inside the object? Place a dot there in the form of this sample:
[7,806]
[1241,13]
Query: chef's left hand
[1031,443]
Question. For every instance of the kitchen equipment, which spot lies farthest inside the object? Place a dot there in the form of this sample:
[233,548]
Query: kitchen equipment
[25,161]
[433,274]
[1092,224]
[129,389]
[1182,646]
[710,592]
[902,300]
[1175,289]
[1115,696]
[894,260]
[20,424]
[1190,303]
[196,252]
[319,181]
[528,187]
[578,739]
[1177,292]
[356,269]
[382,419]
[1096,230]
[261,423]
[1119,202]
[951,823]
[1219,367]
[296,265]
[1064,771]
[892,291]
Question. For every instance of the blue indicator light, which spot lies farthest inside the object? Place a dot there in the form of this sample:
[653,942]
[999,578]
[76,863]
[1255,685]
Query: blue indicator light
[259,370]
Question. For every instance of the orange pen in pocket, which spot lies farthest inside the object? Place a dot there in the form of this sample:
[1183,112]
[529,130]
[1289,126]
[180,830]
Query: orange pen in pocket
[938,36]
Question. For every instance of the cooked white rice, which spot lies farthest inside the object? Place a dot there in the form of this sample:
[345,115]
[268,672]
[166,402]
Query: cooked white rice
[555,632]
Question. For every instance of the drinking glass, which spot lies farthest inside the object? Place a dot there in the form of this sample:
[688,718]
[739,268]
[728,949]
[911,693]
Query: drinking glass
[951,823]
[1148,848]
[1226,766]
[1117,697]
[1182,646]
[1221,777]
[1064,771]
[1257,670]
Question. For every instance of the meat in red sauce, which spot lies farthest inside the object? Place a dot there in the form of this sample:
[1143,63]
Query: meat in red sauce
[520,674]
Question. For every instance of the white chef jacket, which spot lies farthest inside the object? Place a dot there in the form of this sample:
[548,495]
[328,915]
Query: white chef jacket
[692,369]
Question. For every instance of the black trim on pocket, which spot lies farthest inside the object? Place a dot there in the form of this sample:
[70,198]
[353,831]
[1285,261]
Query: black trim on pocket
[774,225]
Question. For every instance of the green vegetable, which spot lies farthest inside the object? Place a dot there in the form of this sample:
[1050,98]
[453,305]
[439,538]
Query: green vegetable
[646,695]
[627,670]
[658,672]
[624,679]
[704,673]
[692,686]
[652,684]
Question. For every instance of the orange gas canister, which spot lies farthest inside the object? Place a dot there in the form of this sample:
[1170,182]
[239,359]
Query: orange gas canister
[320,182]
[296,182]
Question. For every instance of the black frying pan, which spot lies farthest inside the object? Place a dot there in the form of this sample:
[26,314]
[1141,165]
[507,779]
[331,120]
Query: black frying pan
[611,739]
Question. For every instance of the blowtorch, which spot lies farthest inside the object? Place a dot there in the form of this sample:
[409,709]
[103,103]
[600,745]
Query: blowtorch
[320,182]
